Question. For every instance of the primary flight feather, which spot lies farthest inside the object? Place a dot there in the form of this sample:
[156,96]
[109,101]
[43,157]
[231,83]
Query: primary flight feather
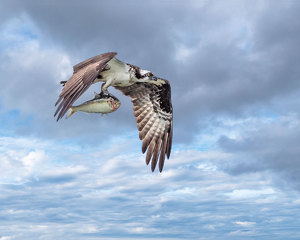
[150,95]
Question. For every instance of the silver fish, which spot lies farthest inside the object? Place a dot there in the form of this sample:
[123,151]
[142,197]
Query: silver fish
[99,104]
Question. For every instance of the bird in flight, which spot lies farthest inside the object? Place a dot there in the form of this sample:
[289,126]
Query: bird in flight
[150,95]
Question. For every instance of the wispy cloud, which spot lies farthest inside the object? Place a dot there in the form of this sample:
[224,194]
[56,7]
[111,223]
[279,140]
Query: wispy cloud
[73,194]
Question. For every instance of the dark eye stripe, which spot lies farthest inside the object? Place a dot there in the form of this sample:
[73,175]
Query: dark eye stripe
[147,75]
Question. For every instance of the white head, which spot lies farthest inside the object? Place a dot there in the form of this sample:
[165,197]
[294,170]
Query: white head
[141,74]
[145,75]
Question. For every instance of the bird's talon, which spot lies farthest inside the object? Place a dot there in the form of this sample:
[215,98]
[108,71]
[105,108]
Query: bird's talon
[103,94]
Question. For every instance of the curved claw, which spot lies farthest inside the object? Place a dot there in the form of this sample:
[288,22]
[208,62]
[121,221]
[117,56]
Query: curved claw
[102,94]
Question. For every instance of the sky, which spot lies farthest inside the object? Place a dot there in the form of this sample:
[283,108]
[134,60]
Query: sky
[234,167]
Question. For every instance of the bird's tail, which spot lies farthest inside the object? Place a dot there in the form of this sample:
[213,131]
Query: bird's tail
[70,113]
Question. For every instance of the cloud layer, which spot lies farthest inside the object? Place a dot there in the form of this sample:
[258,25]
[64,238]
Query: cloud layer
[105,195]
[234,72]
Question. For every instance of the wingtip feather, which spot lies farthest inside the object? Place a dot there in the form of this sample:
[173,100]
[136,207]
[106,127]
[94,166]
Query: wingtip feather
[163,152]
[155,154]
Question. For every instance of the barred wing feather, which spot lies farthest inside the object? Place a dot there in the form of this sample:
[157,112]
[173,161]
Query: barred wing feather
[83,76]
[153,112]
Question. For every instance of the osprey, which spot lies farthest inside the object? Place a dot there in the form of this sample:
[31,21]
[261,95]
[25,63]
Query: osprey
[150,95]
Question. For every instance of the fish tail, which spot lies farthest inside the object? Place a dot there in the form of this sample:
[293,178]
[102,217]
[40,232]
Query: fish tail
[70,113]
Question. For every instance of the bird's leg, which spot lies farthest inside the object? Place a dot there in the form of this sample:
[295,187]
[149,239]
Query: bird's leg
[104,87]
[104,91]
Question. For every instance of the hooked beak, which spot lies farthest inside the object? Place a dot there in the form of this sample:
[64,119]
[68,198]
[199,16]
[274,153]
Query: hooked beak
[153,78]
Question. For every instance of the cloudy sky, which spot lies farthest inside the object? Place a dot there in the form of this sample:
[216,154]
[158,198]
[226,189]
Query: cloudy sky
[235,77]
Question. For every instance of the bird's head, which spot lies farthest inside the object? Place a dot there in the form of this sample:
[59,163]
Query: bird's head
[142,75]
[146,75]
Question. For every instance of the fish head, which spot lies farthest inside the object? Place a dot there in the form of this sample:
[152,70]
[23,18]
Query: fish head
[114,102]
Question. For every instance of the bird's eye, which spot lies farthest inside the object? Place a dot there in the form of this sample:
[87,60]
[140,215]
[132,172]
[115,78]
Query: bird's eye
[149,74]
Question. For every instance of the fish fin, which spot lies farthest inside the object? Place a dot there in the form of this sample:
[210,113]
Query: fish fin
[97,95]
[70,113]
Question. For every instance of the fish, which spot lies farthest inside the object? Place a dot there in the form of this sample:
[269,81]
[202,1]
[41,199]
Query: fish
[98,104]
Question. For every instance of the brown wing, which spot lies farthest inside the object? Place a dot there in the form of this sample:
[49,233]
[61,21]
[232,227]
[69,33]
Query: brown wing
[83,76]
[152,108]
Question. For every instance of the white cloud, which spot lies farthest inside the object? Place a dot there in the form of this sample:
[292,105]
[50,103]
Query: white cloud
[250,193]
[243,233]
[88,228]
[65,170]
[32,159]
[183,53]
[245,223]
[6,238]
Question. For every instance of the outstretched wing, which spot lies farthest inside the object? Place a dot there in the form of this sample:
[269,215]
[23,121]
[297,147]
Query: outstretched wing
[84,74]
[152,108]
